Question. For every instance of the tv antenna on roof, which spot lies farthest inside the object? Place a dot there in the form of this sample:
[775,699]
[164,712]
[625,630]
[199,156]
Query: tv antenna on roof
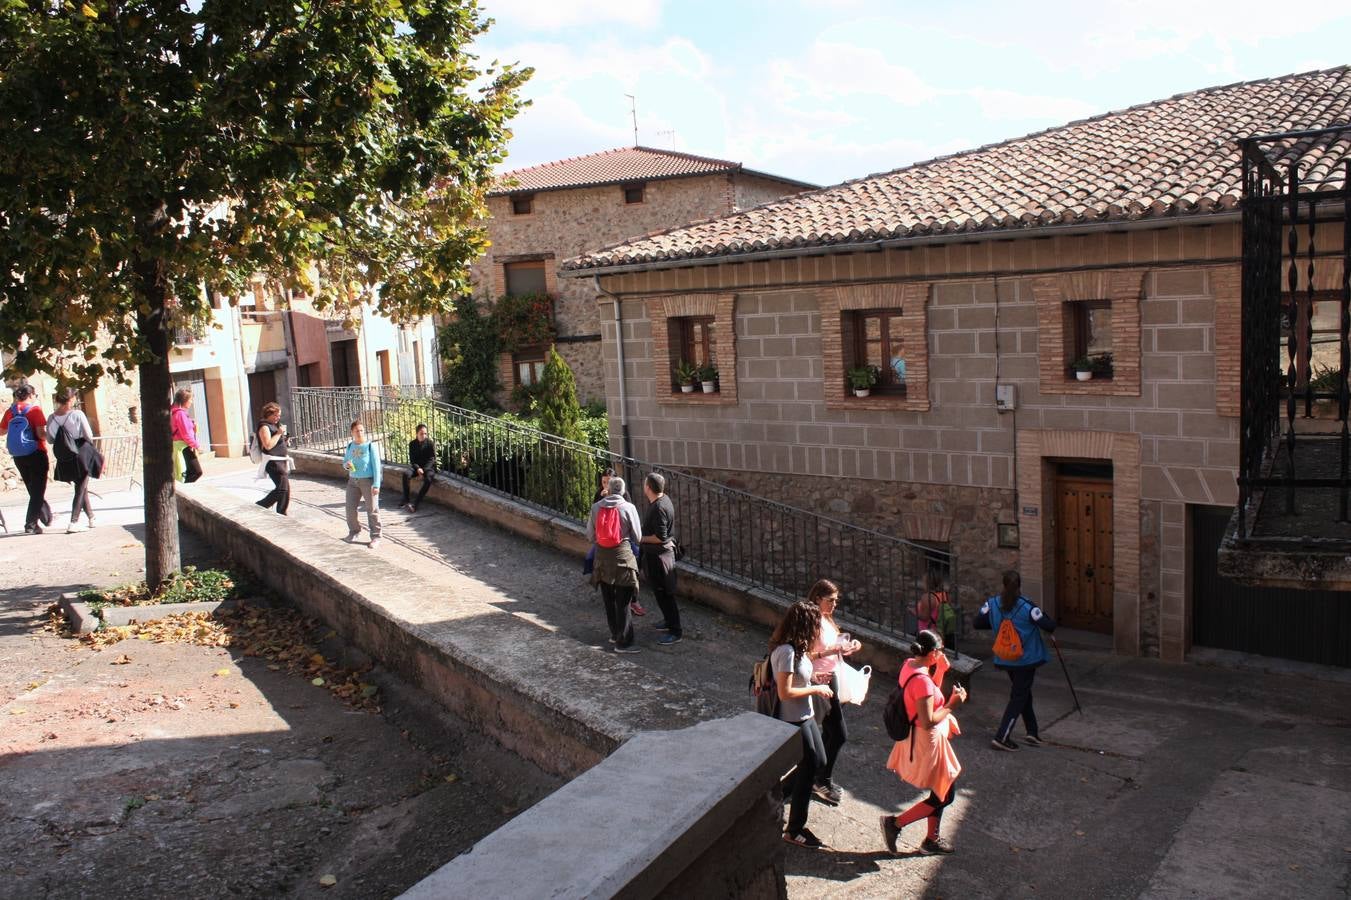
[633,111]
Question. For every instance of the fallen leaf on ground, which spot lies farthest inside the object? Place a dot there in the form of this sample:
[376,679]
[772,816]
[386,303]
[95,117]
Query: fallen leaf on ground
[221,673]
[121,660]
[452,778]
[17,711]
[34,685]
[328,880]
[317,682]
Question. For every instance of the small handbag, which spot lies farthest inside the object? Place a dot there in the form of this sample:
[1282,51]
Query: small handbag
[853,683]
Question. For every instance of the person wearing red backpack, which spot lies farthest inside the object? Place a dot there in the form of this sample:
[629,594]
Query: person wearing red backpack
[614,529]
[25,428]
[1019,651]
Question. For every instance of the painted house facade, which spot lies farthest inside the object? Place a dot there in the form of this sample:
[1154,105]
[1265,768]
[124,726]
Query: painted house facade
[545,214]
[971,287]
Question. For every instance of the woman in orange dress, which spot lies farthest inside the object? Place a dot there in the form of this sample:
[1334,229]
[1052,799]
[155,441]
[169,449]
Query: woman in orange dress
[926,758]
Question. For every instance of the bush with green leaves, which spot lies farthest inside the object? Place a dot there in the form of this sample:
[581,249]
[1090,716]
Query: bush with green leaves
[470,347]
[191,585]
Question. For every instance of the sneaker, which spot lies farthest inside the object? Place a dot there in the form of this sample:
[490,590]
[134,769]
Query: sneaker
[409,507]
[890,832]
[1006,744]
[89,521]
[668,640]
[631,648]
[75,527]
[661,626]
[827,793]
[1032,740]
[637,608]
[375,543]
[613,639]
[935,845]
[351,537]
[804,838]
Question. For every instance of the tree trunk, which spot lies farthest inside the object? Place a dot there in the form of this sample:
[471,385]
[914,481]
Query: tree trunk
[157,446]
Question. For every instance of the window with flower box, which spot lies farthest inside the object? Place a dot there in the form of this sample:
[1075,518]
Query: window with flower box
[879,344]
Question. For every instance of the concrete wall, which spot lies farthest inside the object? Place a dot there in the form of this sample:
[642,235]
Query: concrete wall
[1168,420]
[716,832]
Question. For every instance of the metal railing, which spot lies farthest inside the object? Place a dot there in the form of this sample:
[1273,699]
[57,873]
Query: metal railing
[741,536]
[121,455]
[1287,379]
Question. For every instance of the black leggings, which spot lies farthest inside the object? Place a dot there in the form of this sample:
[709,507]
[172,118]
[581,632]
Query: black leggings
[834,734]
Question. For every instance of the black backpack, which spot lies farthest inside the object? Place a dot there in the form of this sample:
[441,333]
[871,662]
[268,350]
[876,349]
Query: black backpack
[899,725]
[65,447]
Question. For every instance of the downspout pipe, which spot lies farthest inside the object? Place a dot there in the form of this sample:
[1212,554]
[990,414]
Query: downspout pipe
[626,441]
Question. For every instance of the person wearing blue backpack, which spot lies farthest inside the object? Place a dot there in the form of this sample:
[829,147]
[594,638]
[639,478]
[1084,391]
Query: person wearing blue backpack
[25,428]
[1019,650]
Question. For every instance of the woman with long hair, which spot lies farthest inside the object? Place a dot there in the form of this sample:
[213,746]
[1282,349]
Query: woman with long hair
[934,610]
[271,437]
[926,759]
[827,651]
[69,432]
[789,647]
[1027,621]
[187,467]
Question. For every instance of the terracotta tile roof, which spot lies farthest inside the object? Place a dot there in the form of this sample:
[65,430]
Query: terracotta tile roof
[1173,157]
[620,166]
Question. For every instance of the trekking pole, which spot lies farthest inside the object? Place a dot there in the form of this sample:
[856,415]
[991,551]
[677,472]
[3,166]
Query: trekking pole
[1064,668]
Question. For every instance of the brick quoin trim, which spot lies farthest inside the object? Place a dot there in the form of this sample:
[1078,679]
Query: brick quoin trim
[912,299]
[1036,524]
[722,307]
[1226,288]
[1124,289]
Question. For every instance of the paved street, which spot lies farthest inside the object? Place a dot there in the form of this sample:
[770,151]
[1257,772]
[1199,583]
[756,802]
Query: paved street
[1176,781]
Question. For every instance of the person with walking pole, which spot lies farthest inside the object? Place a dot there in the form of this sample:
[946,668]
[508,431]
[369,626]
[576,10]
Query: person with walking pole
[1019,651]
[1064,668]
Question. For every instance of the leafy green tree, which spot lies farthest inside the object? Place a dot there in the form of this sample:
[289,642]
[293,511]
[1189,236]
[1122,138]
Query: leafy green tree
[469,346]
[556,404]
[157,148]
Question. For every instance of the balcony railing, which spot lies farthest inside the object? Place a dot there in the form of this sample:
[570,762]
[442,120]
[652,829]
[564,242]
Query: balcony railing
[741,536]
[1294,474]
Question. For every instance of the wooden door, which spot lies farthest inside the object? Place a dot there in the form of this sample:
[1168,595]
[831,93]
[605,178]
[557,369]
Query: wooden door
[1084,570]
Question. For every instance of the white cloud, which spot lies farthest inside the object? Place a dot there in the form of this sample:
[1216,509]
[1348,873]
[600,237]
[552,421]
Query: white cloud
[832,71]
[1005,105]
[537,15]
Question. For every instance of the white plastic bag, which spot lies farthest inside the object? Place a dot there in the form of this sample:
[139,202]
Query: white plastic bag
[853,683]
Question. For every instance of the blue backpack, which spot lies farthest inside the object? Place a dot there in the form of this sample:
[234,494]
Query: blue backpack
[20,440]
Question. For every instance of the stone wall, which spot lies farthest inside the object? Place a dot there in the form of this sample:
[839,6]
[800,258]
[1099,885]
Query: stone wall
[983,329]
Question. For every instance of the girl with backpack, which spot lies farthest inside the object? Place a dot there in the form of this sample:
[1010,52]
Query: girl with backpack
[1019,651]
[926,759]
[24,426]
[68,430]
[790,659]
[934,612]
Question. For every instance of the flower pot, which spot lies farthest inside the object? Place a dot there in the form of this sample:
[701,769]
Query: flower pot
[1084,376]
[709,386]
[862,392]
[687,389]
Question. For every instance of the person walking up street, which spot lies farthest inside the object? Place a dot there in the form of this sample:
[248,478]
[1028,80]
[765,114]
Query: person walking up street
[613,529]
[187,468]
[1019,651]
[789,649]
[926,759]
[25,428]
[272,438]
[830,647]
[422,462]
[658,547]
[69,432]
[361,459]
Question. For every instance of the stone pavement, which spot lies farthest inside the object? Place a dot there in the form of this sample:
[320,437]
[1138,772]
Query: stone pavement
[1175,781]
[196,772]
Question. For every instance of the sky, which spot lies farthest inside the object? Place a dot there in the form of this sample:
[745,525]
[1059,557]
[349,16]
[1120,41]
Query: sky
[830,90]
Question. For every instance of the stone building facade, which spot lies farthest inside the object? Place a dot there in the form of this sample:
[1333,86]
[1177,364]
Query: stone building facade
[549,213]
[986,442]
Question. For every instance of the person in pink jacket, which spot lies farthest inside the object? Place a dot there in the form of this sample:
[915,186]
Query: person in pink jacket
[186,466]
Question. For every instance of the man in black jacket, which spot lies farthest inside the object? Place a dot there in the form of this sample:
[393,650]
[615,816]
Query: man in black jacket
[658,546]
[422,462]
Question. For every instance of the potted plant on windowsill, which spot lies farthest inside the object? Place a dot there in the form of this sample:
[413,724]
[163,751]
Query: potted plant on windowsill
[862,379]
[686,374]
[708,377]
[1083,368]
[1102,365]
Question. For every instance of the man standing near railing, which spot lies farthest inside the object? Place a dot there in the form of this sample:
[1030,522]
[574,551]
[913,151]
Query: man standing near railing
[659,555]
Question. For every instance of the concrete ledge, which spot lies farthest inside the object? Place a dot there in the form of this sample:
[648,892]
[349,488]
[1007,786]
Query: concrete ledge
[83,619]
[663,817]
[884,652]
[552,700]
